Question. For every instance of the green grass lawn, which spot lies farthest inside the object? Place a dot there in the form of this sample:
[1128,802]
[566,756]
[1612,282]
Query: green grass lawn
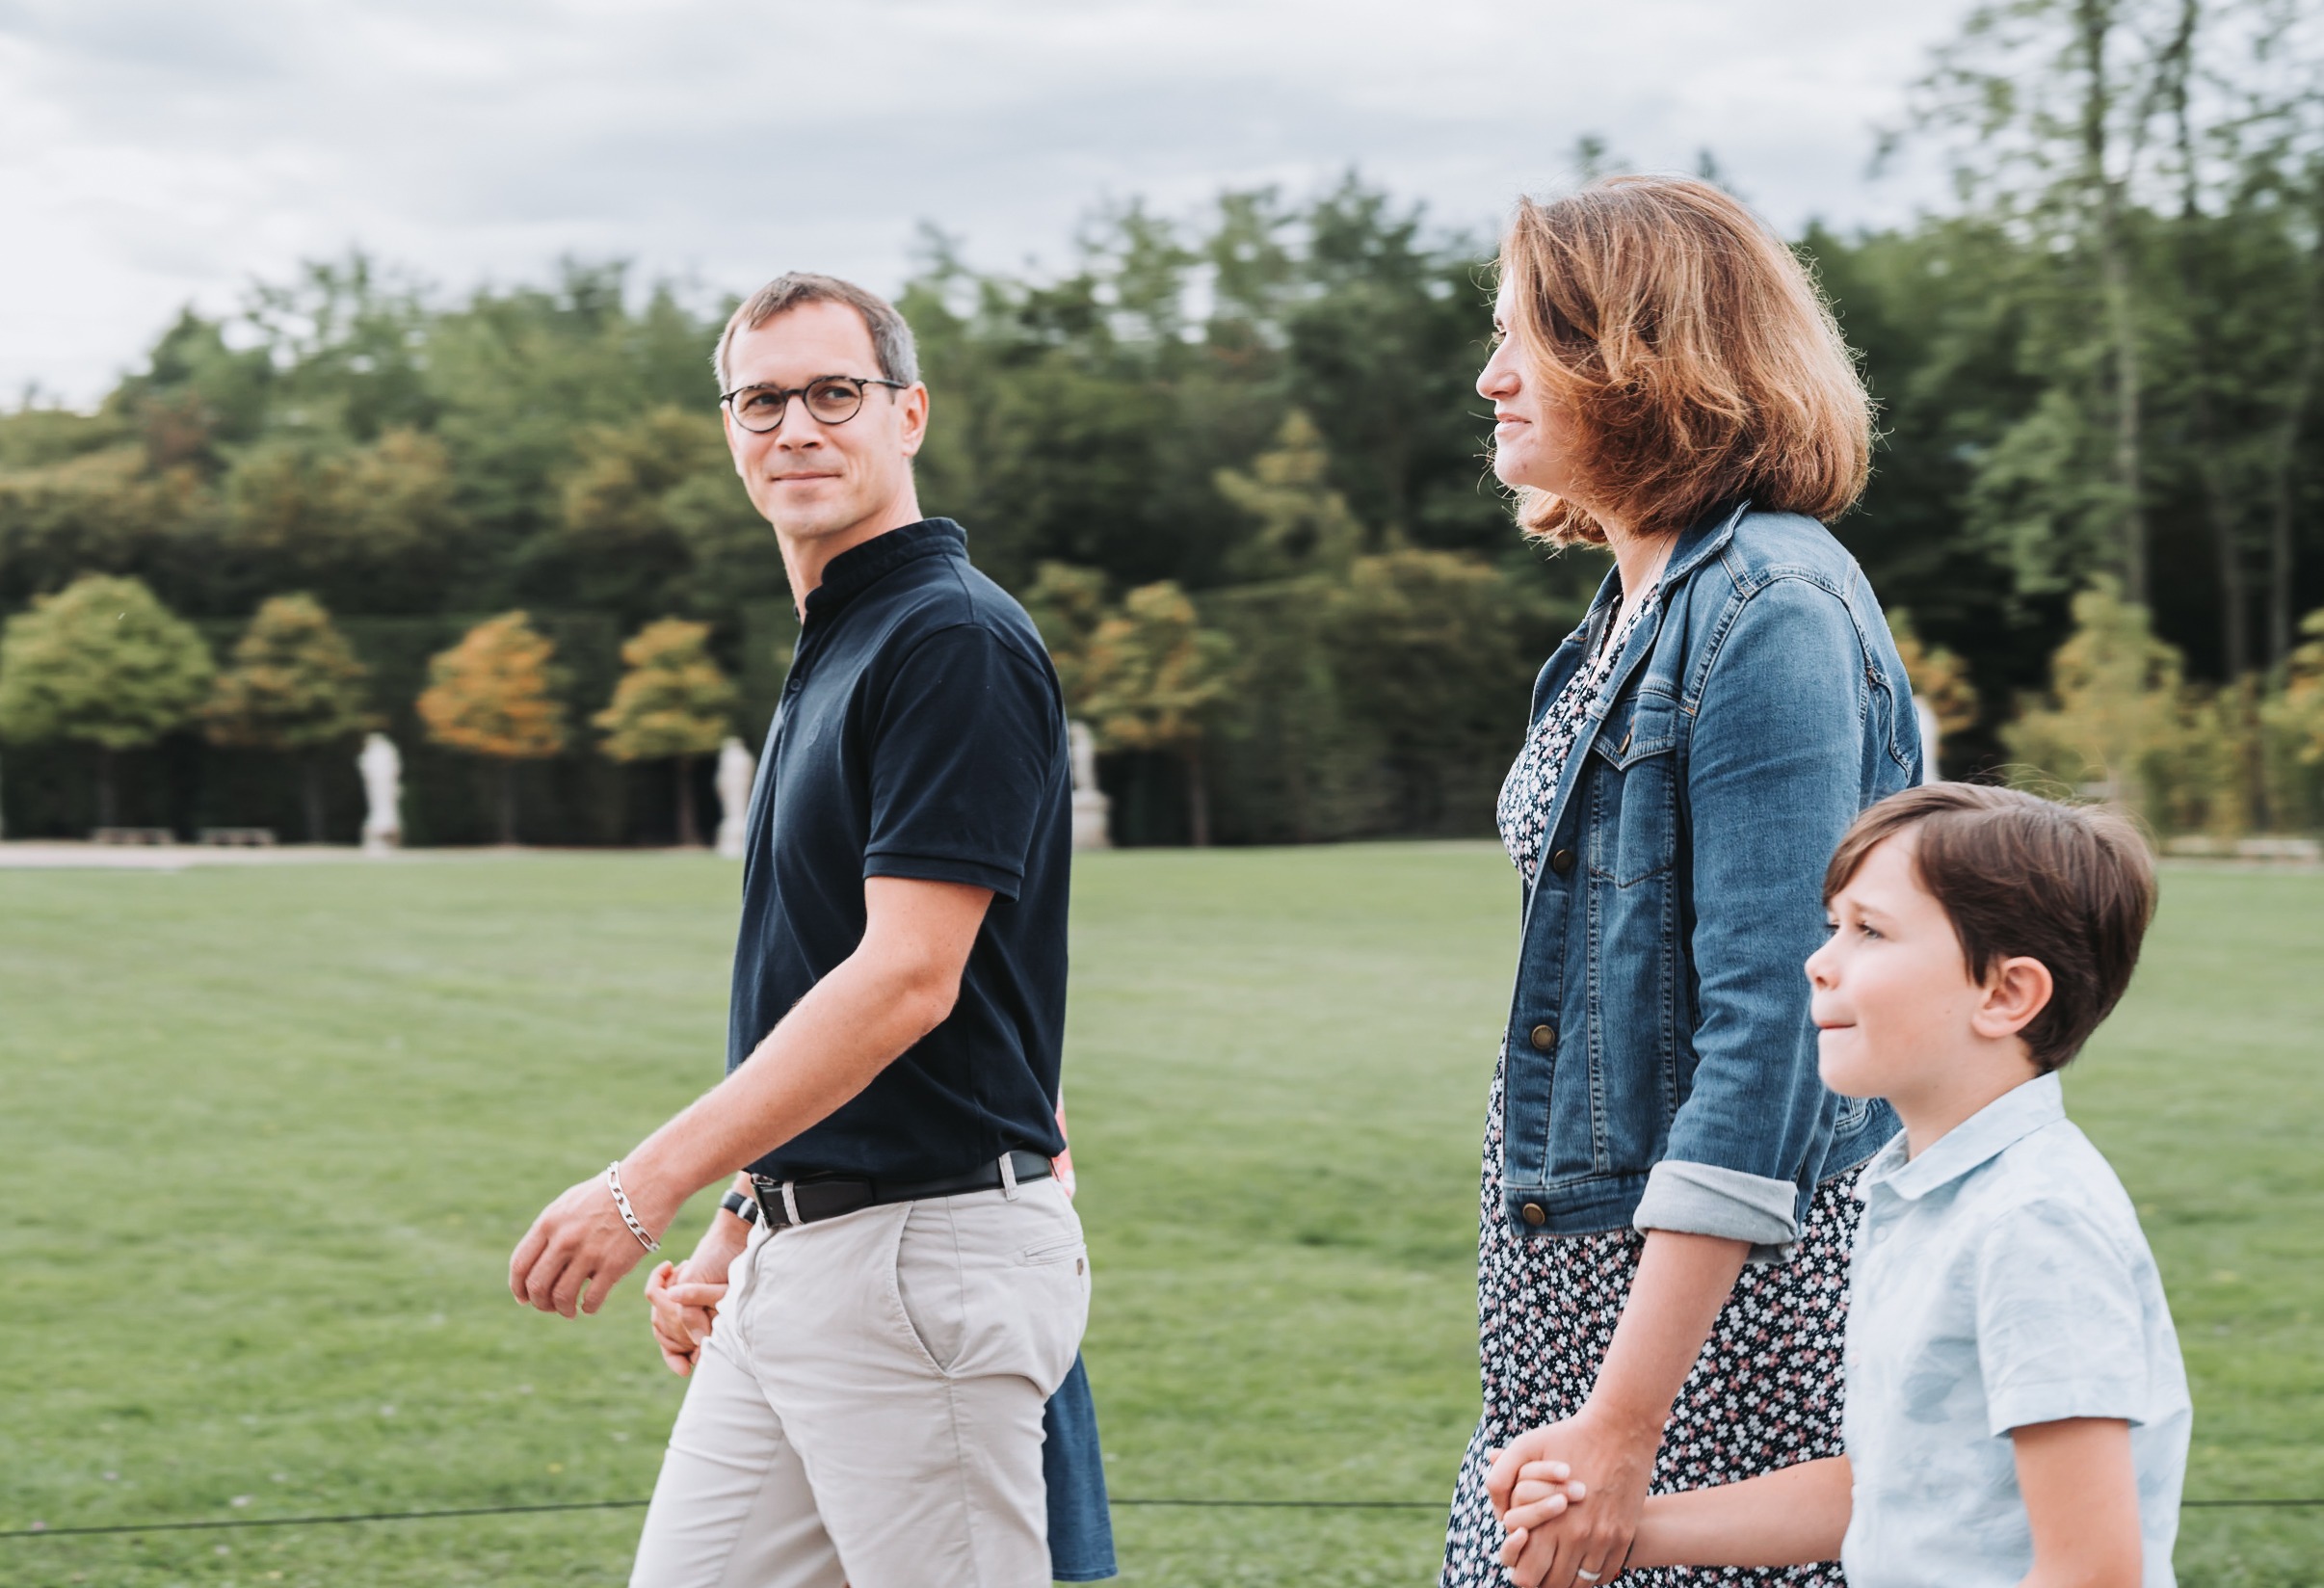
[269,1134]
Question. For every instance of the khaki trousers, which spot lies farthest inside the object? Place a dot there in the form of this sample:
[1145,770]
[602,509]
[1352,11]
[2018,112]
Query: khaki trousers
[867,1408]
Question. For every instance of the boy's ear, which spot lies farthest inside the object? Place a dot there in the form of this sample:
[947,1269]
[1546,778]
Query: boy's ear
[2018,989]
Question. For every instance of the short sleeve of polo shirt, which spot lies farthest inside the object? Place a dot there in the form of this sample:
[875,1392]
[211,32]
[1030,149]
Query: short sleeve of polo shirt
[964,740]
[2061,1330]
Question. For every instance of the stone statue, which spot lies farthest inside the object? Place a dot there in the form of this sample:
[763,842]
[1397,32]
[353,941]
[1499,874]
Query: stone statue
[383,770]
[736,770]
[1089,807]
[1928,742]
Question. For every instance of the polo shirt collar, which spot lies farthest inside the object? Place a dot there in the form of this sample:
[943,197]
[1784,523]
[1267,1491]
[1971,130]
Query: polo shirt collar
[858,567]
[1983,1136]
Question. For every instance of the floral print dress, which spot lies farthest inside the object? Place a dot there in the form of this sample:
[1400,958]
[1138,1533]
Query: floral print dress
[1766,1390]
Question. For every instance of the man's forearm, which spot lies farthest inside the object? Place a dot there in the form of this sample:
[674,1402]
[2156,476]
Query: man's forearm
[855,1023]
[1789,1517]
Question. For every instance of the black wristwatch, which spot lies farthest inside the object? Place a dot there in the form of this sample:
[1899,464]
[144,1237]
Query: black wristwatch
[741,1206]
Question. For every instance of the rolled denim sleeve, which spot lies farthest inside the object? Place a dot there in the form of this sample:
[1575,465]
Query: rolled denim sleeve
[1702,1199]
[1772,781]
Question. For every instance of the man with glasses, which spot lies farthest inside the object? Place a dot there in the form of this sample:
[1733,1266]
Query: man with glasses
[899,1282]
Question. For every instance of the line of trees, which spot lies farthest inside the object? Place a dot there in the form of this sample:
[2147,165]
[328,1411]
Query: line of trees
[1236,464]
[104,663]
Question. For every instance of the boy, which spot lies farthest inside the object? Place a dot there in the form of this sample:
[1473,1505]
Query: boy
[2001,1285]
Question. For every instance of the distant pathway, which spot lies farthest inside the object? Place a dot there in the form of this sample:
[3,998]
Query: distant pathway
[44,855]
[64,854]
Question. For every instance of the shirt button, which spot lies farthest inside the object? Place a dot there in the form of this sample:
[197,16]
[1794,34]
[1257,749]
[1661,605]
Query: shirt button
[1562,861]
[1544,1038]
[1534,1215]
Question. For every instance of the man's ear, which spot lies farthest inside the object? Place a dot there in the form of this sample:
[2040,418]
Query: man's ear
[726,423]
[915,419]
[2018,989]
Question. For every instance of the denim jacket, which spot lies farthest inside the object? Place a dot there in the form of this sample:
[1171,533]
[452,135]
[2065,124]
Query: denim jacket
[1661,1064]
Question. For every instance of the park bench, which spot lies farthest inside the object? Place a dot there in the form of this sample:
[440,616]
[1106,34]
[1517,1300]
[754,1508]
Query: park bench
[239,838]
[133,836]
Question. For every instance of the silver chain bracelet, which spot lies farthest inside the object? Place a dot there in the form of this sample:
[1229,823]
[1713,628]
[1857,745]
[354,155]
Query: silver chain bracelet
[612,1183]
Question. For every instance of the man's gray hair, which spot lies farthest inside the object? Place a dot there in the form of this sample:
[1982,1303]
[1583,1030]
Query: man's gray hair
[891,338]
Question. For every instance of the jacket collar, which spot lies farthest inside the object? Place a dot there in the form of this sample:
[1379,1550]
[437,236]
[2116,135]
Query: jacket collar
[1704,541]
[1974,1142]
[1697,545]
[858,567]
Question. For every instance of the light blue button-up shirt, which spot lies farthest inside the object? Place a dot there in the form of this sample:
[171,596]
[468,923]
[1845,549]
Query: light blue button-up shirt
[2000,1279]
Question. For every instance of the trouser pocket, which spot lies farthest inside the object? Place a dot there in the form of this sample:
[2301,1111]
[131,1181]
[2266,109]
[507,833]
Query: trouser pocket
[930,1287]
[989,1286]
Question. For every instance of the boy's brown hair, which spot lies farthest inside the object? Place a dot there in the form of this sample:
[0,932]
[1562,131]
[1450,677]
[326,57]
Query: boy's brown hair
[2071,885]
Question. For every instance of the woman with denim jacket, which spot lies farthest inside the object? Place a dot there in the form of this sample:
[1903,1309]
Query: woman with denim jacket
[1666,1220]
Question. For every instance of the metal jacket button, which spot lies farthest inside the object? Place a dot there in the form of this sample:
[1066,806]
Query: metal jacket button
[1534,1215]
[1562,861]
[1543,1037]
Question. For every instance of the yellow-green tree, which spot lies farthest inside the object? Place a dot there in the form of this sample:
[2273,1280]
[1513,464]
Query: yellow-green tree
[1940,678]
[1067,604]
[673,705]
[1303,525]
[495,695]
[2299,711]
[294,686]
[2295,728]
[103,661]
[1423,652]
[2115,723]
[1152,676]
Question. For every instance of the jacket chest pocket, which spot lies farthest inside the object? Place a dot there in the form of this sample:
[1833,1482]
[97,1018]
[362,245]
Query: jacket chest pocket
[1634,799]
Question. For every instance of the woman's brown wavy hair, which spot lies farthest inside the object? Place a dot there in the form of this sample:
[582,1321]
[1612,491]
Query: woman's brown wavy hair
[1697,360]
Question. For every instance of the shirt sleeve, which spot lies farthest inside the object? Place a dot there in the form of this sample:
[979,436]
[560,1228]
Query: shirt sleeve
[1772,783]
[2060,1329]
[965,743]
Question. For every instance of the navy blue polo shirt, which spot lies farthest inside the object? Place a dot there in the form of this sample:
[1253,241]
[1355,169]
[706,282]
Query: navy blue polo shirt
[921,734]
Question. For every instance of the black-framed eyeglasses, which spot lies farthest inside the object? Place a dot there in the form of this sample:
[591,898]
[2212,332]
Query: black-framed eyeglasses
[830,400]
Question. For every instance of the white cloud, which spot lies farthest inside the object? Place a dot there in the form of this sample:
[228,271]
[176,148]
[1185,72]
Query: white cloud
[153,152]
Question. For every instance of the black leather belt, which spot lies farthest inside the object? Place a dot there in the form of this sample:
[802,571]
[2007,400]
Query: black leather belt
[828,1197]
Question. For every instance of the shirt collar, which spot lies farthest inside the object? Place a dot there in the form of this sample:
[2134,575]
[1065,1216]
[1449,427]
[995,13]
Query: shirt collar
[860,567]
[2003,1123]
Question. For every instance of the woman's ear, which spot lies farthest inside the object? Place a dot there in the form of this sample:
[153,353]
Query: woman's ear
[2018,989]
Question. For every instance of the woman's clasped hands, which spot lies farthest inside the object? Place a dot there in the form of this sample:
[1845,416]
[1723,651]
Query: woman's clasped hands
[1553,1541]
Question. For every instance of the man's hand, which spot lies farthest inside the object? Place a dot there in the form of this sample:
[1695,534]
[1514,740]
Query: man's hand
[682,1299]
[577,1245]
[1573,1549]
[899,985]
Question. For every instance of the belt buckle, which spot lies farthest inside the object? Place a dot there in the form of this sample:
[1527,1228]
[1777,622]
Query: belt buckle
[778,1205]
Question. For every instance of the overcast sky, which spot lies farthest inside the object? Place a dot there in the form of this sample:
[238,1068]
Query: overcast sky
[155,152]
